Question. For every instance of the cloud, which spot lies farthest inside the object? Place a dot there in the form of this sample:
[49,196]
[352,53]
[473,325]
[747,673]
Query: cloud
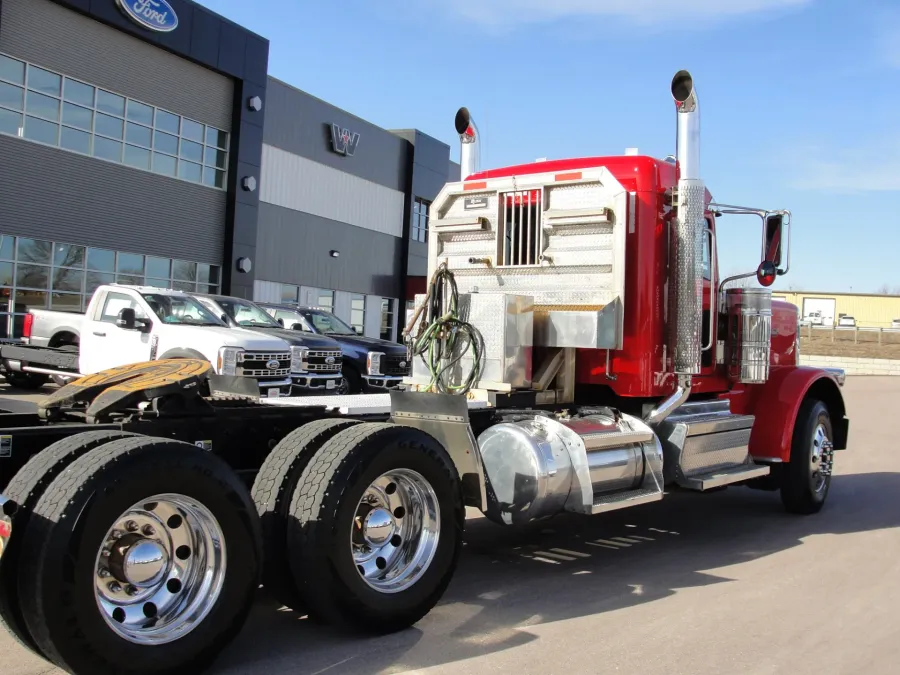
[494,13]
[870,167]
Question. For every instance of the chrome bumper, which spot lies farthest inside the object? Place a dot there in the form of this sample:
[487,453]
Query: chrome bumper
[283,387]
[383,381]
[7,508]
[838,374]
[317,381]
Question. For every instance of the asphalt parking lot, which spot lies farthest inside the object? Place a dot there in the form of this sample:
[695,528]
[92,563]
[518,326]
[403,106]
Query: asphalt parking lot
[724,582]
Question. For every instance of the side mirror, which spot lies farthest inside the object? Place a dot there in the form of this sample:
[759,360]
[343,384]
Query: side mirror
[224,319]
[297,326]
[280,322]
[766,273]
[126,318]
[774,230]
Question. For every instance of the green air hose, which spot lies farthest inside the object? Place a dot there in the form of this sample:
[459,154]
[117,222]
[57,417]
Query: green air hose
[443,339]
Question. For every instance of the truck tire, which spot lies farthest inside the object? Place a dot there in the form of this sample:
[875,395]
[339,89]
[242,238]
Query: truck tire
[144,559]
[272,492]
[25,489]
[26,381]
[376,528]
[807,477]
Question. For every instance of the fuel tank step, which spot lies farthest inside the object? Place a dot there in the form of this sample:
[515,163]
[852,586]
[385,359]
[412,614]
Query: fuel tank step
[622,500]
[716,479]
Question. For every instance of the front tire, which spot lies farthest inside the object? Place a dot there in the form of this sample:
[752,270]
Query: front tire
[376,528]
[806,479]
[27,381]
[151,548]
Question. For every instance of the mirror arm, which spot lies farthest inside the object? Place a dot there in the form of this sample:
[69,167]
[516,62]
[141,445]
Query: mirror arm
[712,287]
[734,278]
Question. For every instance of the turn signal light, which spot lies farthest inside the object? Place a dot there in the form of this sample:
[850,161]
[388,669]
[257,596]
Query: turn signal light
[766,273]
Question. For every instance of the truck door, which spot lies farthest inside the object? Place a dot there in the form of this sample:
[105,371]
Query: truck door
[105,345]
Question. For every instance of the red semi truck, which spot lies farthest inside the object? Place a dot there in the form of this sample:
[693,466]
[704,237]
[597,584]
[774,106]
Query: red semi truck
[577,351]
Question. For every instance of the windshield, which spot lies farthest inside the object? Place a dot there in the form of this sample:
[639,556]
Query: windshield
[180,309]
[326,322]
[247,314]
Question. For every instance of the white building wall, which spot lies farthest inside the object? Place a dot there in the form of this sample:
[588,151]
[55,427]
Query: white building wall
[373,316]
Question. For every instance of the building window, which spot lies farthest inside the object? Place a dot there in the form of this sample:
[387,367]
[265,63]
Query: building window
[49,108]
[420,220]
[387,319]
[358,313]
[325,300]
[40,274]
[290,294]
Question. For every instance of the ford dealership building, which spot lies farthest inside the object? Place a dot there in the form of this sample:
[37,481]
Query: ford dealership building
[142,141]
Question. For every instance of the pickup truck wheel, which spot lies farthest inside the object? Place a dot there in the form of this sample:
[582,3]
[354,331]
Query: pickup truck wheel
[27,381]
[351,382]
[148,547]
[807,477]
[272,492]
[25,489]
[376,530]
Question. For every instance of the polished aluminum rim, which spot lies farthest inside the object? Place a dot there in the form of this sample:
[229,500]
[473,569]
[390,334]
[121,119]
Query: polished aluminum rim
[821,459]
[395,531]
[160,569]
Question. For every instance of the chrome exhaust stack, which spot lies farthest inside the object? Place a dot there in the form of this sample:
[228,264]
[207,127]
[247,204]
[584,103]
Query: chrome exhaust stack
[470,144]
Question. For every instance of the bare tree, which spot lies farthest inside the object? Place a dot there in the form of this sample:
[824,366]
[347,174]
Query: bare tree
[884,289]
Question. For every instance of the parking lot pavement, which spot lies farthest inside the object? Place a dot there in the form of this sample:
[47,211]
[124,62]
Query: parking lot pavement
[723,582]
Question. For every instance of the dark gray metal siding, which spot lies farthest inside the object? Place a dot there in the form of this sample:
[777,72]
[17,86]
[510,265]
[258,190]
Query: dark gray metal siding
[51,36]
[293,248]
[61,196]
[299,123]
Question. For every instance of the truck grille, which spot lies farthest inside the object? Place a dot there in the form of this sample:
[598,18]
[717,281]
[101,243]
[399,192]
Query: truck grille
[390,365]
[254,364]
[323,361]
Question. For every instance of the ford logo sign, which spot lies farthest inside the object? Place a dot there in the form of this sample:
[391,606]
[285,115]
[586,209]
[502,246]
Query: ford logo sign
[155,15]
[330,359]
[403,364]
[272,365]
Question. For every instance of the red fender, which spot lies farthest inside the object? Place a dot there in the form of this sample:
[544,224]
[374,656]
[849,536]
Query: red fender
[777,402]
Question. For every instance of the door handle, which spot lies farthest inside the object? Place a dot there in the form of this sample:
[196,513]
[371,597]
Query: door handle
[99,334]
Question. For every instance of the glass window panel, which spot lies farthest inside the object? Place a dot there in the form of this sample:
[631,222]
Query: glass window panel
[41,131]
[110,103]
[76,116]
[44,81]
[43,106]
[192,151]
[358,303]
[101,260]
[12,70]
[137,157]
[26,300]
[65,302]
[138,112]
[68,280]
[11,96]
[129,279]
[184,286]
[189,171]
[73,139]
[32,276]
[159,267]
[6,274]
[166,121]
[184,271]
[214,178]
[163,164]
[215,157]
[216,137]
[34,251]
[78,92]
[158,283]
[191,130]
[208,288]
[289,293]
[67,255]
[7,247]
[138,135]
[10,122]
[109,126]
[326,299]
[207,274]
[165,143]
[107,149]
[95,279]
[130,263]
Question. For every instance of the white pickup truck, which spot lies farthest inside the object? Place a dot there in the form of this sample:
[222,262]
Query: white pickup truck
[130,324]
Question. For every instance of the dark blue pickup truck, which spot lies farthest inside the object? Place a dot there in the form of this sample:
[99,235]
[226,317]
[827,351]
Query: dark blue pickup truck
[369,364]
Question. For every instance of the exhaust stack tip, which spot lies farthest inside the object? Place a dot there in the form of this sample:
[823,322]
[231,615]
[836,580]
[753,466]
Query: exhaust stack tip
[463,123]
[683,91]
[469,141]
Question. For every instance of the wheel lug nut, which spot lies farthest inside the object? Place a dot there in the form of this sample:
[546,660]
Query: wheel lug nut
[103,573]
[114,586]
[148,531]
[131,590]
[131,526]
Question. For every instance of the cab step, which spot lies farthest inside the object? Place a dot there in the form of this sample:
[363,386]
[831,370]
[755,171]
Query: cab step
[728,476]
[622,500]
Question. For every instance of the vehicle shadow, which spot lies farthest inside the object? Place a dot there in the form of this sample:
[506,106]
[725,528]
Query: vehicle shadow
[510,579]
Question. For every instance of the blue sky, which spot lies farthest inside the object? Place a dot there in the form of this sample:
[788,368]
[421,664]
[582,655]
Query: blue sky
[800,98]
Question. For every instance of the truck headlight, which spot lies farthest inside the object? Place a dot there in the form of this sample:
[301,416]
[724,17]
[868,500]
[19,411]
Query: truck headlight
[373,363]
[299,357]
[228,360]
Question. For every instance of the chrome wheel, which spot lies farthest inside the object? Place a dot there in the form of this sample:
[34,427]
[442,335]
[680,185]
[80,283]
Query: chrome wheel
[160,569]
[395,531]
[821,459]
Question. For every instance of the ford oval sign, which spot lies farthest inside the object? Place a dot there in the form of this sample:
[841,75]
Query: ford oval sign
[156,15]
[272,365]
[329,360]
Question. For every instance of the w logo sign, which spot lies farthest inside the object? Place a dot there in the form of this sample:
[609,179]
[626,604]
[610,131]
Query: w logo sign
[343,141]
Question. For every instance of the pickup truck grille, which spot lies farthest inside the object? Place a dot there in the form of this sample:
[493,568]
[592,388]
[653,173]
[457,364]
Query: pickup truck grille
[323,361]
[390,365]
[254,364]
